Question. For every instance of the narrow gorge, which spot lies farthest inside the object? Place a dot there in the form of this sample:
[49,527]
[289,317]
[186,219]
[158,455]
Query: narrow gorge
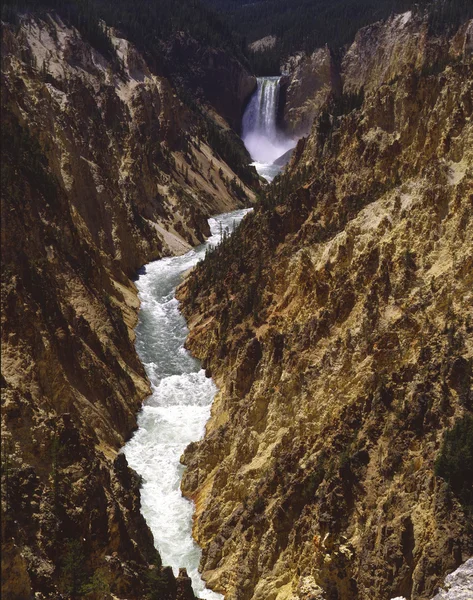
[178,409]
[237,311]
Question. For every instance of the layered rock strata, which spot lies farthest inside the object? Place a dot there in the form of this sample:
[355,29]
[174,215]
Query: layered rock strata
[103,169]
[337,323]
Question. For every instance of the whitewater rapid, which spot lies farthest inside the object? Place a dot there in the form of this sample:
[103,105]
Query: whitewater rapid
[177,410]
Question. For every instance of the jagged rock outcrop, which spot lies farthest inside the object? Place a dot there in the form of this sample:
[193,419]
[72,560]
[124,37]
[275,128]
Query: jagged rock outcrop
[380,53]
[337,322]
[269,41]
[306,85]
[458,584]
[385,50]
[103,169]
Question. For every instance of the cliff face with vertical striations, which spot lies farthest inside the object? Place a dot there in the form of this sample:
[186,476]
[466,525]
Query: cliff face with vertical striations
[338,323]
[103,169]
[306,85]
[379,54]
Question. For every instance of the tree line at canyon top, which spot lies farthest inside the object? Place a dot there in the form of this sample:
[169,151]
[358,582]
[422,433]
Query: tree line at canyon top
[297,25]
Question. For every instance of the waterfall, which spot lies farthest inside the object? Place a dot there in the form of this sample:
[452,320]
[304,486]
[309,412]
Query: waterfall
[260,116]
[259,128]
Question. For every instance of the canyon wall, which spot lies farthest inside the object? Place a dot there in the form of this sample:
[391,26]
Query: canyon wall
[379,54]
[213,76]
[104,168]
[306,85]
[337,323]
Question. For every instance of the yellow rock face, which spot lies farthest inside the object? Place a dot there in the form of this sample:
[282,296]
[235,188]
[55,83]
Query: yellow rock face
[102,174]
[338,325]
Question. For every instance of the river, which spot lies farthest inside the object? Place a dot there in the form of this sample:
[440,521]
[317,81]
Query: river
[176,412]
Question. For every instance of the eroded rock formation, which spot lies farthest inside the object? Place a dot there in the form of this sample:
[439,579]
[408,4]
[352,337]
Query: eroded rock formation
[103,169]
[337,322]
[380,53]
[306,85]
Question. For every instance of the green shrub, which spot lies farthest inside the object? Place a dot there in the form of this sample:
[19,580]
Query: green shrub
[73,567]
[97,586]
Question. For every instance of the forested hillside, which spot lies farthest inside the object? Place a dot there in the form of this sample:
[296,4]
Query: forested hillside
[148,24]
[309,24]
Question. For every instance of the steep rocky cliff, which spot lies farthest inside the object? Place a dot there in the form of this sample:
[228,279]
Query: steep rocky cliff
[306,85]
[338,324]
[213,75]
[104,168]
[380,53]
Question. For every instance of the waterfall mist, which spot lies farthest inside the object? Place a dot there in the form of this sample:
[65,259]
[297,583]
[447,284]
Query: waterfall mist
[259,130]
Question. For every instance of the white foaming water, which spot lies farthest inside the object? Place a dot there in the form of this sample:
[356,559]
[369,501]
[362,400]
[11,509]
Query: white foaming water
[268,171]
[260,134]
[176,412]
